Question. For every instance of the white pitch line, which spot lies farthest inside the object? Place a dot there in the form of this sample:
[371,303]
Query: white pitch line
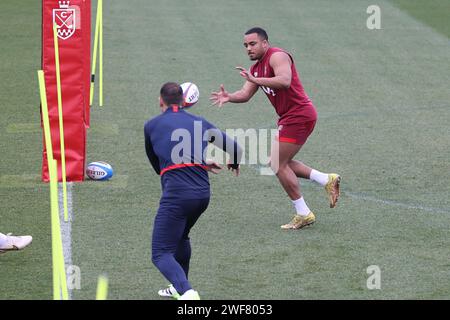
[364,197]
[66,227]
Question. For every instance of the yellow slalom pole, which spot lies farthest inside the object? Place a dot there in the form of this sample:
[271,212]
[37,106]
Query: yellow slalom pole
[100,66]
[59,274]
[57,238]
[53,182]
[59,269]
[45,118]
[94,54]
[102,288]
[53,173]
[59,251]
[61,123]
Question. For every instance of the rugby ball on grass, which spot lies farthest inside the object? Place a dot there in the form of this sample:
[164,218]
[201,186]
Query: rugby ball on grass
[190,94]
[99,170]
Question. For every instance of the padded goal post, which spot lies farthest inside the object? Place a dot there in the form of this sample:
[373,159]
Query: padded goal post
[73,25]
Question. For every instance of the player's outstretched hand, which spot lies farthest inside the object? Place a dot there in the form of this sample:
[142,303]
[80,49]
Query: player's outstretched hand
[245,74]
[212,166]
[219,97]
[235,171]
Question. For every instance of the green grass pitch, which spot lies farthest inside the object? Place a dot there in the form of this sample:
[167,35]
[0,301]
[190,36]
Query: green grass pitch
[383,101]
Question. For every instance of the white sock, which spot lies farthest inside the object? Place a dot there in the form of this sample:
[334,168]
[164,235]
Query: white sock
[301,207]
[319,177]
[2,240]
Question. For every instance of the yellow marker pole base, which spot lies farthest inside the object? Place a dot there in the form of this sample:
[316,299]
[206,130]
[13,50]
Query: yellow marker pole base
[102,288]
[52,167]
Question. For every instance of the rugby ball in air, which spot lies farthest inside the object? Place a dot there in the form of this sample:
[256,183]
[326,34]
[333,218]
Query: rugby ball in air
[99,170]
[190,94]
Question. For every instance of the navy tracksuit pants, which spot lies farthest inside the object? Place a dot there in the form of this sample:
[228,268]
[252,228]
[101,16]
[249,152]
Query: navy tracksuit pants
[171,248]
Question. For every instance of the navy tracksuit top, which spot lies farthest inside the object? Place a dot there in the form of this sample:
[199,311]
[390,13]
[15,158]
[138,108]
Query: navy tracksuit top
[175,143]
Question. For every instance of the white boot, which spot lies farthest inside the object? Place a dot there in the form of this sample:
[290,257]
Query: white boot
[169,292]
[11,243]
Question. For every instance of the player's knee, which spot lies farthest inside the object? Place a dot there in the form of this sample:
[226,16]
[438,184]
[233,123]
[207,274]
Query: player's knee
[279,168]
[157,258]
[274,166]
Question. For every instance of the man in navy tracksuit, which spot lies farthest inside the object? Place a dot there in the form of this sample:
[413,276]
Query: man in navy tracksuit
[175,142]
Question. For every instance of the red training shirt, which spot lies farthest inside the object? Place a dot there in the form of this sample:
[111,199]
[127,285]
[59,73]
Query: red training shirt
[293,104]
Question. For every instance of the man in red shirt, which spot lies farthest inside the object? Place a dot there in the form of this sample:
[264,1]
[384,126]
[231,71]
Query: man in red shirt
[275,73]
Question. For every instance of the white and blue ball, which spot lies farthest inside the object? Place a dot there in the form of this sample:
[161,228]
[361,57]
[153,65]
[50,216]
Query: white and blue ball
[191,94]
[99,170]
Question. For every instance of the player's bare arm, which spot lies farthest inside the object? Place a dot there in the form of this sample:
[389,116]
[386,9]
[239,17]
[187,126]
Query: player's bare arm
[235,170]
[243,95]
[281,64]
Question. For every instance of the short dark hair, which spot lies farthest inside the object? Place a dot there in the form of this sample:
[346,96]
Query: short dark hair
[260,31]
[171,93]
